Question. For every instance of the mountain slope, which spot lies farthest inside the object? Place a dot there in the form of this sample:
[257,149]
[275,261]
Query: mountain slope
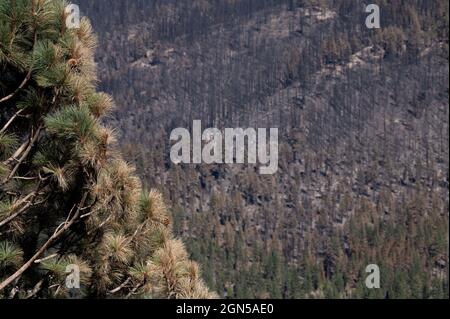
[363,118]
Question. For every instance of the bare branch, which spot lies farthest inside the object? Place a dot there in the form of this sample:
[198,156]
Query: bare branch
[121,286]
[27,77]
[25,153]
[11,120]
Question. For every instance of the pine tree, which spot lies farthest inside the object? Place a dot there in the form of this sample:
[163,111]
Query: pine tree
[67,199]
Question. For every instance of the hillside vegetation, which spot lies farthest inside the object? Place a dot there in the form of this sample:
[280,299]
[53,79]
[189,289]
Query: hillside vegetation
[363,119]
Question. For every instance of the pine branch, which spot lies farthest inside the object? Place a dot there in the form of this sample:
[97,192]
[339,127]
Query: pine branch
[30,70]
[60,230]
[11,120]
[38,261]
[29,199]
[115,290]
[24,154]
[13,24]
[133,291]
[35,290]
[20,211]
[21,86]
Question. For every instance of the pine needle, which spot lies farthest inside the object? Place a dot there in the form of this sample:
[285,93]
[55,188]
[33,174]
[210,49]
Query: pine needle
[10,255]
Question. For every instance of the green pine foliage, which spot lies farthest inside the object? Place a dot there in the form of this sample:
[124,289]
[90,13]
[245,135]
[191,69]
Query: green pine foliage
[67,199]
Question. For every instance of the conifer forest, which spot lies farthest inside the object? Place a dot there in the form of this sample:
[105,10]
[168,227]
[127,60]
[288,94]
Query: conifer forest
[87,179]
